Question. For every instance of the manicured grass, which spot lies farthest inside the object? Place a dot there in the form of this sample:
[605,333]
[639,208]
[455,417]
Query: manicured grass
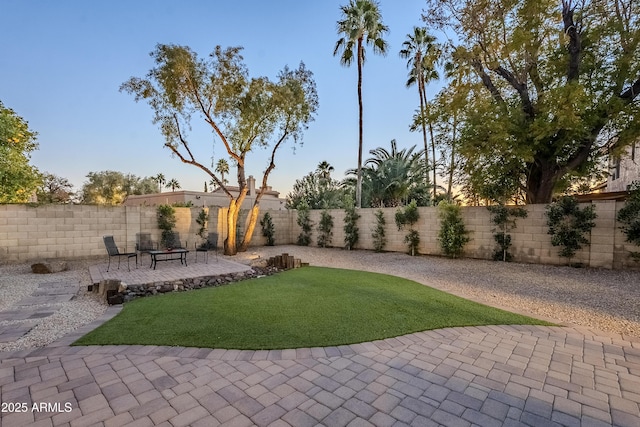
[307,307]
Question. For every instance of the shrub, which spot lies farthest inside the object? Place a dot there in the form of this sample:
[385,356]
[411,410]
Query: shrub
[351,231]
[325,228]
[268,229]
[568,225]
[379,238]
[453,234]
[409,216]
[629,217]
[166,221]
[202,219]
[504,218]
[304,221]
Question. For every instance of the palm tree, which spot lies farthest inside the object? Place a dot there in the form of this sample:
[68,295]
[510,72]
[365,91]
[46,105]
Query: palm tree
[173,184]
[360,23]
[324,170]
[422,54]
[160,179]
[222,167]
[392,178]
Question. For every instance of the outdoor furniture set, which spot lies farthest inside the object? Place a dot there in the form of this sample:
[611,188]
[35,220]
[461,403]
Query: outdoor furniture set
[174,250]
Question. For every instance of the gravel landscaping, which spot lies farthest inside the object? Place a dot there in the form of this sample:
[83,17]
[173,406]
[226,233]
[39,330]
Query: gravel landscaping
[604,300]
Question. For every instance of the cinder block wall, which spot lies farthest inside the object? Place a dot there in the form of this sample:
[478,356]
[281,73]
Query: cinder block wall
[75,231]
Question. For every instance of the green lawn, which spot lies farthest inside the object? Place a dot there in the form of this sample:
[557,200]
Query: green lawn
[307,307]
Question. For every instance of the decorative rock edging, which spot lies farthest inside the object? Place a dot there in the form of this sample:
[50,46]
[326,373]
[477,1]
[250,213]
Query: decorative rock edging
[117,292]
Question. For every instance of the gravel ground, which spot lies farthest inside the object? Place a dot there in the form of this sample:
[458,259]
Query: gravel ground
[603,300]
[18,282]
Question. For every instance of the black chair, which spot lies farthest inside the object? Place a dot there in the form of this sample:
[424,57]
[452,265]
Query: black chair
[112,250]
[174,242]
[211,244]
[144,244]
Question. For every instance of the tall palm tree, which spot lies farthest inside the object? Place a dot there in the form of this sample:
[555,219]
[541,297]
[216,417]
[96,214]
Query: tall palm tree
[222,167]
[422,54]
[161,180]
[360,24]
[173,184]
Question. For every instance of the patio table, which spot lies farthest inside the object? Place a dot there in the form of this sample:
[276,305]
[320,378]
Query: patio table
[168,255]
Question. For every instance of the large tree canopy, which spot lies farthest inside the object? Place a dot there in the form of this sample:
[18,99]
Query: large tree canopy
[18,179]
[557,86]
[112,187]
[243,113]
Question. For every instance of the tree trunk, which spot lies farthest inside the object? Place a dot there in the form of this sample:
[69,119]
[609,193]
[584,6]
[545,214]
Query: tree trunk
[248,234]
[541,183]
[453,157]
[359,180]
[422,95]
[230,246]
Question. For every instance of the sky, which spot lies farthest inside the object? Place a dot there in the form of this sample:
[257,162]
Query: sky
[62,63]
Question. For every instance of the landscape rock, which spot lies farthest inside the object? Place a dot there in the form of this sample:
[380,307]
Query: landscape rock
[49,267]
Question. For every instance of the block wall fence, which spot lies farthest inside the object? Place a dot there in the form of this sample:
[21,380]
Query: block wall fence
[75,231]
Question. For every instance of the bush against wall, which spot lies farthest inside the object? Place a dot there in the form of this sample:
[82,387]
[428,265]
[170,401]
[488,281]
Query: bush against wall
[629,217]
[351,231]
[378,234]
[504,218]
[304,221]
[166,221]
[202,219]
[453,234]
[325,229]
[409,216]
[568,225]
[268,229]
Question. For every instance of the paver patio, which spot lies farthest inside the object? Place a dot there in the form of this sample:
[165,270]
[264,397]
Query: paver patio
[477,376]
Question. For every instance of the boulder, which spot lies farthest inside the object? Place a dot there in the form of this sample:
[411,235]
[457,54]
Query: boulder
[49,267]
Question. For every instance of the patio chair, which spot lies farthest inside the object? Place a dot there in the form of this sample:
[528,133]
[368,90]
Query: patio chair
[144,244]
[211,244]
[112,250]
[174,242]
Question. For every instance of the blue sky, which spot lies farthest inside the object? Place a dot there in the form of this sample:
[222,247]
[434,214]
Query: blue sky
[63,62]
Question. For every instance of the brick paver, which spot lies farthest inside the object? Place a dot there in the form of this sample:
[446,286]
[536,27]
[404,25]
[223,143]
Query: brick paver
[477,376]
[457,377]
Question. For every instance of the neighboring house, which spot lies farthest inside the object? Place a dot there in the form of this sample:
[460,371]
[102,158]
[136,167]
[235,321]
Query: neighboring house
[624,169]
[270,199]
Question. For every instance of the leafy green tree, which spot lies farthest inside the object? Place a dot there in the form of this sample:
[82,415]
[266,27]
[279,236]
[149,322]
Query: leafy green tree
[409,215]
[18,179]
[54,189]
[423,53]
[379,232]
[351,231]
[504,218]
[555,90]
[453,234]
[112,188]
[325,229]
[629,217]
[244,113]
[318,190]
[568,225]
[166,216]
[360,24]
[304,221]
[268,229]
